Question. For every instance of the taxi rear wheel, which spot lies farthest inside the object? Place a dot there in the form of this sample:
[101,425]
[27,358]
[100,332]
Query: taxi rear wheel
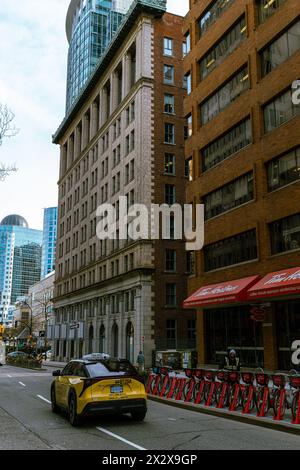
[73,416]
[138,415]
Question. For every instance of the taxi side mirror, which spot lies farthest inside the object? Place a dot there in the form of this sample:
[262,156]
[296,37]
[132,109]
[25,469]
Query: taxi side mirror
[56,373]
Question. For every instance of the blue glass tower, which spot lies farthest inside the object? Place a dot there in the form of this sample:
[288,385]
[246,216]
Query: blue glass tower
[20,261]
[49,241]
[90,27]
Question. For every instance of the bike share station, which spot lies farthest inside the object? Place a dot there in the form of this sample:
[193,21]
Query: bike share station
[268,388]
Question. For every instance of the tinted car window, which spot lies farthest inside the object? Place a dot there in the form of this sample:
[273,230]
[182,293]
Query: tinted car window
[110,367]
[69,369]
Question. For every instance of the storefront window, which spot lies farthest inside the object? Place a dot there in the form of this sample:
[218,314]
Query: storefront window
[232,328]
[288,331]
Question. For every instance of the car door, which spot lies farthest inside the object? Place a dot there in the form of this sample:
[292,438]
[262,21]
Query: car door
[62,384]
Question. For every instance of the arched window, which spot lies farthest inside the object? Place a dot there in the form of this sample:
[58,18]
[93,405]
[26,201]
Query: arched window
[130,342]
[91,339]
[115,340]
[101,339]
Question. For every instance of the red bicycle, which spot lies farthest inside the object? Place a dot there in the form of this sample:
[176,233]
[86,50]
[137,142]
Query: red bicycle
[262,397]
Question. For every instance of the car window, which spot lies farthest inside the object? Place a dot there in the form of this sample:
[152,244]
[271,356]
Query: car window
[79,370]
[110,367]
[69,369]
[98,370]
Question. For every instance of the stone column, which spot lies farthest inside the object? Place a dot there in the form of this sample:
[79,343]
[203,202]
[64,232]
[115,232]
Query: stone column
[77,149]
[85,132]
[94,119]
[70,152]
[103,107]
[127,73]
[114,91]
[63,160]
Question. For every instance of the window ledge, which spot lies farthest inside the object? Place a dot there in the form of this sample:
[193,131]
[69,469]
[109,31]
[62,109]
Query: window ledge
[256,260]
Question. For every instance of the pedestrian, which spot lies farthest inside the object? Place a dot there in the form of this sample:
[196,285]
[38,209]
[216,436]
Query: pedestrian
[141,362]
[231,361]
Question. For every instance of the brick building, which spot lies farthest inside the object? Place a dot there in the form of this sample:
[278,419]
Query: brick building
[245,153]
[124,136]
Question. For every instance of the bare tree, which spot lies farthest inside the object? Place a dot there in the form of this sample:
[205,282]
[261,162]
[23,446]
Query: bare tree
[7,130]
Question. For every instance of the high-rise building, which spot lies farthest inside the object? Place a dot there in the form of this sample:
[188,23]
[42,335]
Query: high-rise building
[49,241]
[20,261]
[90,26]
[125,137]
[245,152]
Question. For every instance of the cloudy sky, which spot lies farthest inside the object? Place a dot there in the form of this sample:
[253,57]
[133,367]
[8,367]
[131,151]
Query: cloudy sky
[33,54]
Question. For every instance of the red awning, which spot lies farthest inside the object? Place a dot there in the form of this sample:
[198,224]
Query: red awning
[223,293]
[277,284]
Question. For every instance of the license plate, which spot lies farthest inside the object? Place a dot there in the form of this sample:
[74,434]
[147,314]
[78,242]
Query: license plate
[116,389]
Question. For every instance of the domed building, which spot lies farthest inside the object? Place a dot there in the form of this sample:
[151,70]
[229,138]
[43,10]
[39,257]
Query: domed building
[15,221]
[20,261]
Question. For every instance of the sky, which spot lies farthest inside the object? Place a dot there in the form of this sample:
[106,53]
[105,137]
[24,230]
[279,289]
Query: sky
[33,62]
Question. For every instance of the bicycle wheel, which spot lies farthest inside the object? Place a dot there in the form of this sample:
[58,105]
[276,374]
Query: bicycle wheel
[245,397]
[206,392]
[168,388]
[295,404]
[186,389]
[259,402]
[196,391]
[276,404]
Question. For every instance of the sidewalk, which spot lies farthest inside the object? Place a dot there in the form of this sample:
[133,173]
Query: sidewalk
[268,422]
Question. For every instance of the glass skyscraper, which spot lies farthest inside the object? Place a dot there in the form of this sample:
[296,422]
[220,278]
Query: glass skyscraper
[49,241]
[90,27]
[20,261]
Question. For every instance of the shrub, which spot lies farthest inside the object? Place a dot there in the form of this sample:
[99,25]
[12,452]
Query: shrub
[29,363]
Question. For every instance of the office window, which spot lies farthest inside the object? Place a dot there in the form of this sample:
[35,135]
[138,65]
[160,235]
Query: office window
[280,110]
[233,141]
[281,49]
[188,83]
[266,8]
[191,329]
[171,332]
[188,173]
[225,96]
[211,15]
[228,197]
[171,295]
[169,133]
[284,170]
[227,44]
[168,46]
[169,104]
[171,260]
[234,250]
[285,234]
[169,74]
[187,44]
[170,194]
[170,164]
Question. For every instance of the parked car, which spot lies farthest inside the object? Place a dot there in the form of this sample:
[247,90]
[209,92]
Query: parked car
[16,354]
[96,357]
[89,388]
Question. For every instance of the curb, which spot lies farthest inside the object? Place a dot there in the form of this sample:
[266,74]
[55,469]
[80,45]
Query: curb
[234,416]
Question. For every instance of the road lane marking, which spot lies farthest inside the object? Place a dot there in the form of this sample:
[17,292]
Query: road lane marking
[10,376]
[105,431]
[21,383]
[44,399]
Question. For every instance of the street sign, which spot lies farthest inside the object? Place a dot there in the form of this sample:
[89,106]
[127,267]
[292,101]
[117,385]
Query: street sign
[75,326]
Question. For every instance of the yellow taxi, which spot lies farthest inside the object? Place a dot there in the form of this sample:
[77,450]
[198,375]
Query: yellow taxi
[87,388]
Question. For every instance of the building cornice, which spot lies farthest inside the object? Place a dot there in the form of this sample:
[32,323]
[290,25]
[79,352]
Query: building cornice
[154,7]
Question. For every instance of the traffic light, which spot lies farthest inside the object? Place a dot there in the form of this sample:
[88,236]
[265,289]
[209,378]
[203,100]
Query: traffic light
[2,330]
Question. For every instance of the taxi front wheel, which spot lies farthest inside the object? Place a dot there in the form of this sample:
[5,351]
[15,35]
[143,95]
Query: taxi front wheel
[54,406]
[73,416]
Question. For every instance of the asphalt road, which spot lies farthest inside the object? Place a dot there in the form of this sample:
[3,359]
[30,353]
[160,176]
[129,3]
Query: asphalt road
[28,423]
